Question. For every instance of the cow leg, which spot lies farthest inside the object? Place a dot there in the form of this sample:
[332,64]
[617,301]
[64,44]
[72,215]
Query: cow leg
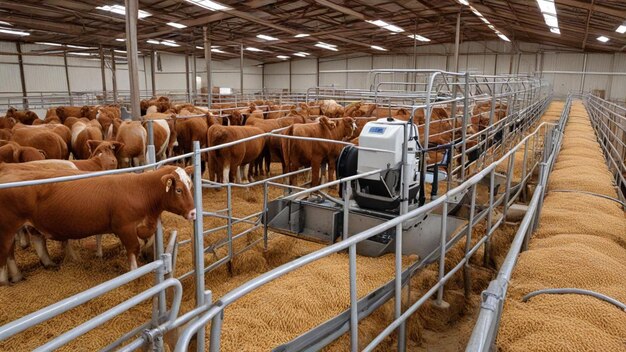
[147,249]
[315,172]
[39,243]
[323,172]
[99,246]
[246,174]
[69,251]
[238,176]
[226,174]
[24,238]
[14,271]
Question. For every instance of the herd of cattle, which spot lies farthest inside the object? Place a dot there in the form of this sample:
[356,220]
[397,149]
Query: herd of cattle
[76,140]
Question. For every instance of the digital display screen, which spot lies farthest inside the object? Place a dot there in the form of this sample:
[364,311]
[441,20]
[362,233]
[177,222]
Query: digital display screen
[377,130]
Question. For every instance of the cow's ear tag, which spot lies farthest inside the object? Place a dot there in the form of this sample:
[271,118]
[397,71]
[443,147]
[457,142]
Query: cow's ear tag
[168,185]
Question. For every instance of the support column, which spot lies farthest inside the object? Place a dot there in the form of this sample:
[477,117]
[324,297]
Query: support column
[153,58]
[582,78]
[207,61]
[102,74]
[187,78]
[241,68]
[194,73]
[67,78]
[457,42]
[132,11]
[113,77]
[22,77]
[289,76]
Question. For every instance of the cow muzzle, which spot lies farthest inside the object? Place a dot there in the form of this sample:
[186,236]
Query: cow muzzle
[191,215]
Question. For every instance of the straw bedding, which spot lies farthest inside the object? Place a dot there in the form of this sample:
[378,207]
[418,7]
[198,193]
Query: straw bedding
[580,243]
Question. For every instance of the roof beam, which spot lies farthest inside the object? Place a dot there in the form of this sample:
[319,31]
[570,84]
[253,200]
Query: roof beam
[589,11]
[600,8]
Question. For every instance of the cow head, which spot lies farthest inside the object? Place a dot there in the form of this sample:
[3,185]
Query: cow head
[326,123]
[7,122]
[106,152]
[178,197]
[25,154]
[236,118]
[349,127]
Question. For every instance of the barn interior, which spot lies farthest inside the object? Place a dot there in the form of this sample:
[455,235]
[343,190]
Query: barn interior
[498,224]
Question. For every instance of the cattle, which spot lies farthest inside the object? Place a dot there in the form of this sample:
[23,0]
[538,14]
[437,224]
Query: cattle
[126,205]
[331,108]
[43,139]
[7,122]
[359,109]
[106,116]
[234,160]
[63,112]
[162,103]
[190,129]
[163,132]
[396,113]
[134,138]
[63,131]
[26,117]
[11,152]
[89,111]
[5,134]
[81,133]
[301,153]
[278,111]
[70,121]
[103,156]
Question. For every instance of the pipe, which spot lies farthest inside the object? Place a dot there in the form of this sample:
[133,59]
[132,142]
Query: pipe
[18,46]
[241,68]
[67,77]
[207,60]
[102,73]
[187,86]
[578,291]
[457,42]
[132,11]
[153,58]
[113,76]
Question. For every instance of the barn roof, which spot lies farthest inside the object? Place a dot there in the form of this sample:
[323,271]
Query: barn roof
[340,23]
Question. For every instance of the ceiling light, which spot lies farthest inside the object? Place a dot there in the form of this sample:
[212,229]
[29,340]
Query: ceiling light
[266,37]
[284,57]
[476,12]
[378,47]
[387,26]
[253,49]
[10,31]
[121,10]
[2,23]
[176,25]
[78,47]
[547,6]
[218,51]
[301,35]
[504,37]
[555,30]
[463,2]
[302,54]
[49,44]
[120,39]
[484,20]
[80,54]
[491,27]
[551,20]
[621,29]
[603,39]
[169,43]
[211,5]
[200,47]
[152,41]
[120,51]
[418,37]
[326,46]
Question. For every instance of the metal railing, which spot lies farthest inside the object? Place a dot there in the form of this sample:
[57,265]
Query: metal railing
[492,299]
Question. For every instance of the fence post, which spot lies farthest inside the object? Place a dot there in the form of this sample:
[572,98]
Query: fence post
[198,237]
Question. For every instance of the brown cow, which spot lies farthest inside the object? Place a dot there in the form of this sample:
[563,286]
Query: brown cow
[193,129]
[234,160]
[162,103]
[7,122]
[89,111]
[134,138]
[26,117]
[42,138]
[11,152]
[63,131]
[81,133]
[127,205]
[5,134]
[63,112]
[278,111]
[300,153]
[331,108]
[162,133]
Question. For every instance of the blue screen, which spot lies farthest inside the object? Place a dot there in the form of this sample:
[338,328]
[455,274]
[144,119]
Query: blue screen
[377,130]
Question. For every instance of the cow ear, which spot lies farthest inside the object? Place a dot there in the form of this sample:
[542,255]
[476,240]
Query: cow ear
[189,170]
[93,145]
[167,180]
[43,152]
[116,145]
[324,121]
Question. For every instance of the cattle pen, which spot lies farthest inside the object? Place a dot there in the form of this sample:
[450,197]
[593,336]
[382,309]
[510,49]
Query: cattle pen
[312,176]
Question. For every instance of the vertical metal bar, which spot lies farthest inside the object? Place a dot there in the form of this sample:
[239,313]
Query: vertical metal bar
[289,77]
[198,237]
[113,77]
[317,73]
[18,46]
[354,313]
[582,77]
[216,332]
[241,68]
[67,78]
[486,255]
[415,50]
[206,30]
[467,274]
[229,213]
[187,86]
[153,66]
[194,74]
[509,178]
[102,73]
[132,11]
[404,207]
[346,208]
[466,113]
[265,196]
[457,41]
[442,251]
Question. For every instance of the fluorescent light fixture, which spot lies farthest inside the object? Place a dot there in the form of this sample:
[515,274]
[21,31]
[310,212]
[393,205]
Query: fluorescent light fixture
[200,47]
[211,5]
[492,27]
[266,37]
[484,20]
[301,35]
[152,41]
[217,51]
[418,37]
[250,48]
[120,39]
[476,12]
[176,25]
[121,10]
[10,31]
[3,23]
[49,44]
[169,43]
[301,54]
[326,46]
[547,6]
[329,45]
[120,51]
[504,37]
[378,47]
[80,54]
[555,30]
[77,46]
[463,2]
[284,57]
[621,29]
[387,26]
[603,39]
[551,20]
